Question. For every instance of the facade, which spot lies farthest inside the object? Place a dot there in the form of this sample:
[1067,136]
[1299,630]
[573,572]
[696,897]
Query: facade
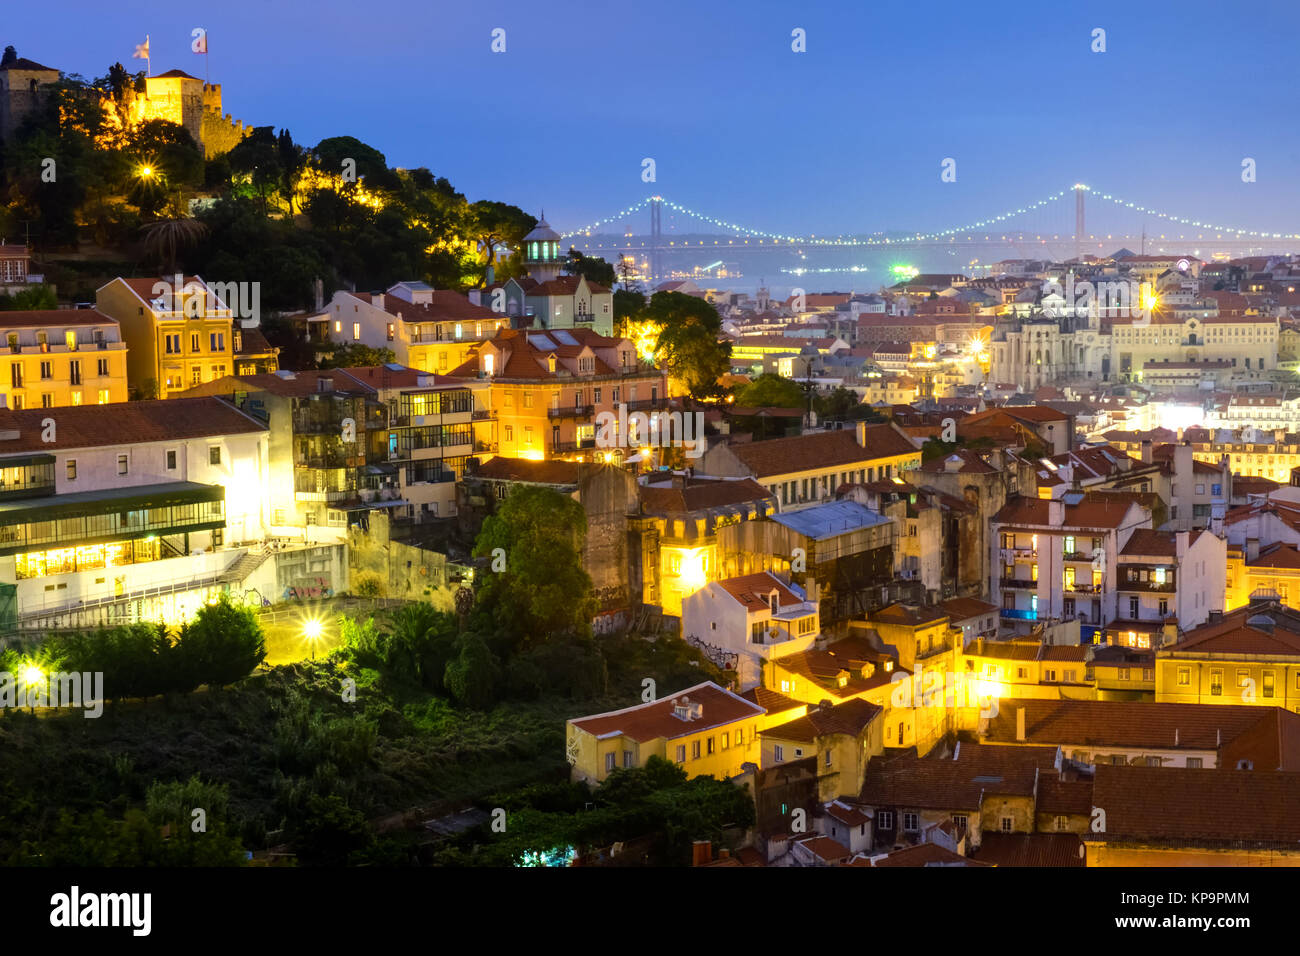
[62,357]
[548,390]
[428,330]
[1163,575]
[704,729]
[751,619]
[130,512]
[176,338]
[843,737]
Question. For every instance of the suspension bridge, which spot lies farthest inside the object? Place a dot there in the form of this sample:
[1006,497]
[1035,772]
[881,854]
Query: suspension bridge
[1073,222]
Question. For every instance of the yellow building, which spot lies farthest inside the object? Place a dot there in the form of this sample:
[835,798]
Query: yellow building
[1248,656]
[178,338]
[62,357]
[1274,573]
[704,729]
[843,737]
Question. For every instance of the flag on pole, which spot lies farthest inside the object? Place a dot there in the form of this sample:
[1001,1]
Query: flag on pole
[200,44]
[141,49]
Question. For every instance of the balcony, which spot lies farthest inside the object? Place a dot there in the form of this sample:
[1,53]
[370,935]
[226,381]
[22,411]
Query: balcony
[575,411]
[483,414]
[490,447]
[584,317]
[648,404]
[1076,556]
[564,447]
[1012,614]
[305,425]
[1019,583]
[1148,587]
[1019,554]
[1082,587]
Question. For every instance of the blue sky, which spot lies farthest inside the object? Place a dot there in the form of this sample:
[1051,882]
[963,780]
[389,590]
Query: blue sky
[847,137]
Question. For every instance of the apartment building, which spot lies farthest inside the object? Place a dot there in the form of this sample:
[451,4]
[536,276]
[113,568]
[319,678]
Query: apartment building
[178,334]
[1167,581]
[549,389]
[1058,558]
[61,357]
[429,330]
[1248,656]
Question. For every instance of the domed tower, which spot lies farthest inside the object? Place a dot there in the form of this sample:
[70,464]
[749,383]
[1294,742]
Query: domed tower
[542,256]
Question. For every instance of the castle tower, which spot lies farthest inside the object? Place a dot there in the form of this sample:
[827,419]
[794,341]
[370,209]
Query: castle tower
[542,256]
[20,83]
[177,97]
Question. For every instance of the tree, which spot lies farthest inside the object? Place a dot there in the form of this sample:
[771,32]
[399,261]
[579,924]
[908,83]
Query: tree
[689,345]
[221,645]
[328,831]
[770,391]
[539,591]
[356,355]
[291,158]
[164,237]
[495,224]
[471,676]
[592,268]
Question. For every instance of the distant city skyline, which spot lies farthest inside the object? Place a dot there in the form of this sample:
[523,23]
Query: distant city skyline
[844,138]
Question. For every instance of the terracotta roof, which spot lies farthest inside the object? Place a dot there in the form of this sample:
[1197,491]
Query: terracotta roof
[1096,509]
[123,423]
[252,342]
[1281,555]
[287,384]
[1067,797]
[1033,849]
[771,701]
[849,816]
[971,463]
[827,849]
[700,493]
[909,614]
[22,63]
[1163,544]
[960,784]
[850,718]
[446,306]
[645,722]
[778,456]
[1125,724]
[1178,806]
[923,854]
[752,590]
[1234,634]
[1272,743]
[529,472]
[962,609]
[54,318]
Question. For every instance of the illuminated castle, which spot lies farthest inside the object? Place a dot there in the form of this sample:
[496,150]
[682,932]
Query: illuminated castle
[174,96]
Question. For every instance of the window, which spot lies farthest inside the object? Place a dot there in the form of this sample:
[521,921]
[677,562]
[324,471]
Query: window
[171,461]
[122,464]
[778,753]
[217,340]
[16,374]
[391,331]
[101,367]
[194,342]
[828,758]
[172,344]
[47,370]
[1006,824]
[1216,682]
[104,396]
[214,455]
[219,535]
[196,375]
[1148,674]
[740,738]
[356,331]
[72,469]
[960,820]
[609,762]
[1194,763]
[1185,677]
[681,753]
[911,822]
[695,750]
[1061,823]
[627,758]
[885,820]
[708,746]
[74,371]
[726,740]
[1123,673]
[1268,684]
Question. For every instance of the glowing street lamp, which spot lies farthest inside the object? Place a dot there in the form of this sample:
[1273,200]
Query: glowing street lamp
[145,172]
[33,677]
[311,632]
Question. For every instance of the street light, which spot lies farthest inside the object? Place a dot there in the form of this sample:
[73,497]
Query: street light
[146,172]
[32,676]
[311,632]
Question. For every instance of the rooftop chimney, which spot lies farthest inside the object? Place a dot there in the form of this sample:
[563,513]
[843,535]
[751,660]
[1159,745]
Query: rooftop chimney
[1146,451]
[1055,512]
[1020,723]
[377,299]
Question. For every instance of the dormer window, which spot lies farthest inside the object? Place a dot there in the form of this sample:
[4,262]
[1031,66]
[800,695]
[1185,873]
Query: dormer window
[774,602]
[550,362]
[489,364]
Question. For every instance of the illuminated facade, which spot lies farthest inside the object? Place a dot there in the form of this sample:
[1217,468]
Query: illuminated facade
[177,337]
[61,357]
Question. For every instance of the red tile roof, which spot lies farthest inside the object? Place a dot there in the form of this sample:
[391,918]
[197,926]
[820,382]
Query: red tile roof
[923,854]
[778,456]
[699,493]
[54,318]
[123,423]
[645,722]
[751,591]
[1032,849]
[550,472]
[960,784]
[849,718]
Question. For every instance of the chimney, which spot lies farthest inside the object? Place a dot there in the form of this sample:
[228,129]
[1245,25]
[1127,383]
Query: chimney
[1182,541]
[861,429]
[701,852]
[1055,512]
[377,299]
[825,705]
[1020,723]
[1146,451]
[318,287]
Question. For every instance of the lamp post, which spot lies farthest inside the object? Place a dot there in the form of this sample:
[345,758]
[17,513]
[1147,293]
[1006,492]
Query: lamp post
[311,632]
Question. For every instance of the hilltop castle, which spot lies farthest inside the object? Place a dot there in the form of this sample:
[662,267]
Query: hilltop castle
[174,96]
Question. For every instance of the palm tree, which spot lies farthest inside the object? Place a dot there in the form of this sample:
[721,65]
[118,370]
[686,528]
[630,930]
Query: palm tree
[163,238]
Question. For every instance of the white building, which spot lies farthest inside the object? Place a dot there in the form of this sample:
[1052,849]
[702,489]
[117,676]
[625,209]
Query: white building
[1167,574]
[755,618]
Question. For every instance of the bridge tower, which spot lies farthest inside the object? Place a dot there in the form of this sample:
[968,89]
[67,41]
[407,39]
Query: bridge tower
[1079,232]
[656,239]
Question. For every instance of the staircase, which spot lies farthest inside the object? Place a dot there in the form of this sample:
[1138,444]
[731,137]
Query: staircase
[243,566]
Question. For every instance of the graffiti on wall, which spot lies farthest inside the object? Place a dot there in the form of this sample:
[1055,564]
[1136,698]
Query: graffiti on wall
[309,589]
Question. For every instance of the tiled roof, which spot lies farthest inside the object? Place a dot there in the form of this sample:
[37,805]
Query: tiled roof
[849,816]
[22,63]
[123,423]
[826,848]
[923,854]
[645,722]
[778,456]
[1234,634]
[699,494]
[960,784]
[752,590]
[771,701]
[1178,806]
[287,384]
[1033,849]
[1284,556]
[54,318]
[446,306]
[909,615]
[1272,743]
[971,463]
[850,717]
[960,609]
[529,472]
[1124,724]
[1097,509]
[1067,797]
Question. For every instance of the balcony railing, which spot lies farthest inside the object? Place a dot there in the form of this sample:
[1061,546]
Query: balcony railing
[648,404]
[574,411]
[1167,587]
[584,317]
[1015,615]
[1018,554]
[1019,583]
[562,447]
[483,414]
[486,446]
[1082,587]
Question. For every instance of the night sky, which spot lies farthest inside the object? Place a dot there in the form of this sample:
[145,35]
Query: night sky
[847,137]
